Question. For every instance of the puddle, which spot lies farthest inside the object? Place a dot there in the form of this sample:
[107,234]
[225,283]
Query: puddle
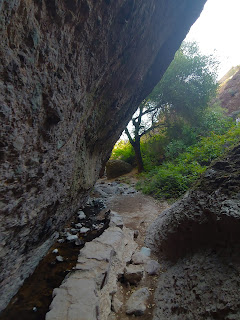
[34,297]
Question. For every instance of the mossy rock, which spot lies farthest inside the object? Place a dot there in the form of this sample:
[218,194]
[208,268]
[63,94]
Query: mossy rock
[116,168]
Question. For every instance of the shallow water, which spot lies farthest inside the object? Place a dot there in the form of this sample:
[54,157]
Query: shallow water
[35,296]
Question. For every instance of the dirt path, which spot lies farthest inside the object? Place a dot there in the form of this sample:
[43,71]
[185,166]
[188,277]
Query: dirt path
[138,212]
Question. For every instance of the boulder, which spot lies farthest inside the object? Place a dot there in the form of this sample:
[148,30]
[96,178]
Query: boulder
[136,304]
[116,168]
[197,239]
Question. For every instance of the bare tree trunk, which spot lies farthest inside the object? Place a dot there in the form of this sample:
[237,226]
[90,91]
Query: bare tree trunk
[138,156]
[137,149]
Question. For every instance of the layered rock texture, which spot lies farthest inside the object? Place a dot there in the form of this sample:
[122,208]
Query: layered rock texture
[72,73]
[229,95]
[198,238]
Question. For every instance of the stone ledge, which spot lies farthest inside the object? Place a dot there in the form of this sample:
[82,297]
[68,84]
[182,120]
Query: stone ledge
[86,293]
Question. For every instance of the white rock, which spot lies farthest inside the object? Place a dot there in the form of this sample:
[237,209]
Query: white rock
[74,231]
[84,230]
[60,240]
[72,237]
[81,215]
[152,267]
[139,258]
[59,258]
[55,251]
[78,225]
[146,251]
[136,304]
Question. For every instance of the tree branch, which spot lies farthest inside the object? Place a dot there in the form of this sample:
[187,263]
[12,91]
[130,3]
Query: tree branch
[129,136]
[154,126]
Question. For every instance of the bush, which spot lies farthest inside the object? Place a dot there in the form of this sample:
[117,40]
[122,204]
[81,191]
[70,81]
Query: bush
[215,121]
[173,178]
[174,148]
[153,149]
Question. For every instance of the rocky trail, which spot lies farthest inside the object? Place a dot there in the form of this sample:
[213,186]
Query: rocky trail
[108,272]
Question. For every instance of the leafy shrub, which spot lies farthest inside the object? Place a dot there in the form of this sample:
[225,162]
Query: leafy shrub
[173,178]
[174,148]
[153,150]
[215,121]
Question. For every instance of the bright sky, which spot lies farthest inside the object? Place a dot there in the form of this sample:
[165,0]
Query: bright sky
[218,29]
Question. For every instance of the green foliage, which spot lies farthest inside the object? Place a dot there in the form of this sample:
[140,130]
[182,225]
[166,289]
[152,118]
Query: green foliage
[215,121]
[173,178]
[188,84]
[174,148]
[152,150]
[123,151]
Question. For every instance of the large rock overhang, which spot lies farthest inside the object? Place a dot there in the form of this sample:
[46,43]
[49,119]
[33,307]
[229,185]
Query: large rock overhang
[72,74]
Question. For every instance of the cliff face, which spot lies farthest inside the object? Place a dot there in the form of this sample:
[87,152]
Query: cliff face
[72,73]
[198,237]
[229,94]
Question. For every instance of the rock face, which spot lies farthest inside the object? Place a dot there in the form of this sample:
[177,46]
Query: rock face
[72,73]
[198,237]
[229,94]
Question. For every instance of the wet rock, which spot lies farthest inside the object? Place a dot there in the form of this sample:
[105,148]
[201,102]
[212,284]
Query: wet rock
[84,230]
[136,304]
[74,231]
[79,242]
[152,267]
[81,215]
[116,304]
[133,274]
[59,258]
[72,237]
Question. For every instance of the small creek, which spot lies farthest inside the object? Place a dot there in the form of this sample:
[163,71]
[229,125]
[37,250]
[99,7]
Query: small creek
[34,298]
[138,211]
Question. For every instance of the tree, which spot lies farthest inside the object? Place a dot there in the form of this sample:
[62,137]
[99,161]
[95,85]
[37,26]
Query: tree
[182,93]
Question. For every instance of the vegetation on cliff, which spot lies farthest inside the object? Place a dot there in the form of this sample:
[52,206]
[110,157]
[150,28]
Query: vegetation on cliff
[180,98]
[176,132]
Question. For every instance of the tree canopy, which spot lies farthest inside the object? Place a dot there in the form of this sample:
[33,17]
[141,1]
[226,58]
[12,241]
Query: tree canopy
[182,93]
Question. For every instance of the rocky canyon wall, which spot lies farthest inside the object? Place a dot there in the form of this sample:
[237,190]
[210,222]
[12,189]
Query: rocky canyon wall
[72,73]
[198,238]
